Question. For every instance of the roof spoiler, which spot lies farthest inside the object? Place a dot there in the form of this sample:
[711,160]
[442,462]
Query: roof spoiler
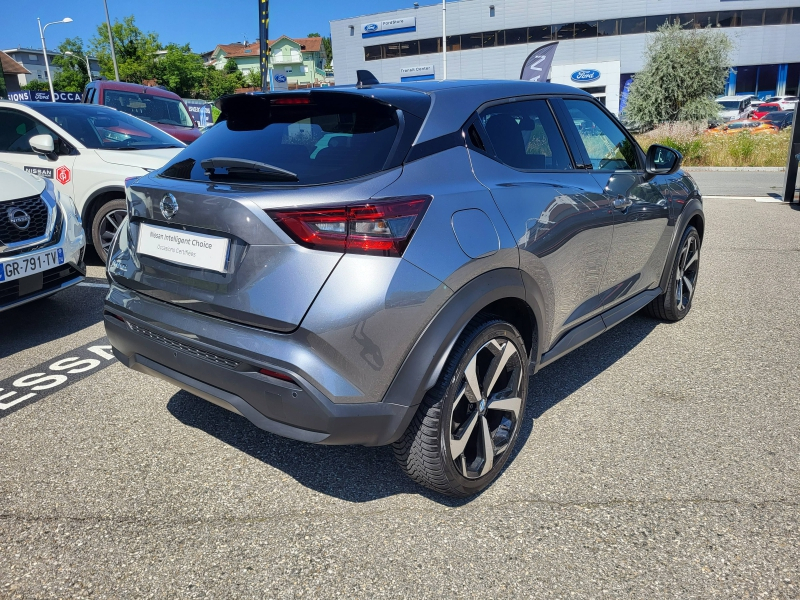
[366,78]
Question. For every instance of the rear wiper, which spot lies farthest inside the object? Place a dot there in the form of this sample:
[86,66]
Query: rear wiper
[242,166]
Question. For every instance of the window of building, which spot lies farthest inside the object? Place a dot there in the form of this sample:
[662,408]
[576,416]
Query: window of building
[767,80]
[391,50]
[776,16]
[453,43]
[586,30]
[705,19]
[524,136]
[563,32]
[430,46]
[33,58]
[372,53]
[608,27]
[653,23]
[729,18]
[471,41]
[540,33]
[516,36]
[409,48]
[686,20]
[746,79]
[795,16]
[752,18]
[490,39]
[632,25]
[793,80]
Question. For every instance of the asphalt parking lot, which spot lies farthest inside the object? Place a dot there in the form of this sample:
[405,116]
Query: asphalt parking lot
[658,461]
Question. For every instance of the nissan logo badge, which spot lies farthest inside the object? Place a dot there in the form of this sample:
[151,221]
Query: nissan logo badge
[169,206]
[19,218]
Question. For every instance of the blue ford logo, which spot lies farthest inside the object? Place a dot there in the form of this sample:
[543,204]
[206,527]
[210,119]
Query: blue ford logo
[585,76]
[371,27]
[168,206]
[280,78]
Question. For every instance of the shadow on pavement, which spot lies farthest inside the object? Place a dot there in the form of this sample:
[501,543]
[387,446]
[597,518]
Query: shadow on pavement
[360,474]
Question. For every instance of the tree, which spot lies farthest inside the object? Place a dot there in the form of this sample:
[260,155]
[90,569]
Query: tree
[326,43]
[73,76]
[230,66]
[180,70]
[684,70]
[312,35]
[135,50]
[218,83]
[36,86]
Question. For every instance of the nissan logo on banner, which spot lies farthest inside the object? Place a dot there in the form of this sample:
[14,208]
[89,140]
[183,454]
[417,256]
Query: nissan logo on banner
[537,65]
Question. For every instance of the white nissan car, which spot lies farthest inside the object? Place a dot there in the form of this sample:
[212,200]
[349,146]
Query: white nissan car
[87,152]
[41,238]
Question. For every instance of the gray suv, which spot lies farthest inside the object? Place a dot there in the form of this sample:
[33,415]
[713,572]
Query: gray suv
[388,264]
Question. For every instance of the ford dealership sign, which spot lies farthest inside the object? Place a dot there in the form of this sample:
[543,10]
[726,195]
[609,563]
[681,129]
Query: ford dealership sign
[390,26]
[585,76]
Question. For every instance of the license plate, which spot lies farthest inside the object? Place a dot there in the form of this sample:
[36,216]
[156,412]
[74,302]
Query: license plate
[22,266]
[184,247]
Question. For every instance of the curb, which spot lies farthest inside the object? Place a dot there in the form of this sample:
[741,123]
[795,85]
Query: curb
[745,169]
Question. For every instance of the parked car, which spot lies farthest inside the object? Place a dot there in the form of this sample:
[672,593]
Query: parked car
[387,264]
[785,102]
[744,126]
[779,120]
[157,106]
[735,107]
[90,152]
[765,109]
[41,238]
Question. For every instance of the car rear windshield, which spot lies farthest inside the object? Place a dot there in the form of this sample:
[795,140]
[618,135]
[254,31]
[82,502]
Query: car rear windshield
[316,138]
[149,107]
[768,108]
[101,128]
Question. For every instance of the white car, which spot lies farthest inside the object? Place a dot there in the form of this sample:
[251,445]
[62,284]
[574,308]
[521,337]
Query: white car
[41,238]
[87,151]
[736,107]
[786,102]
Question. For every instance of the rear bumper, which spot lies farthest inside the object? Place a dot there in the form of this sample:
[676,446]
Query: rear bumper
[294,410]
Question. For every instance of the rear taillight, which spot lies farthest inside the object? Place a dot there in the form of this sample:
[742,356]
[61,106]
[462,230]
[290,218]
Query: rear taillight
[384,227]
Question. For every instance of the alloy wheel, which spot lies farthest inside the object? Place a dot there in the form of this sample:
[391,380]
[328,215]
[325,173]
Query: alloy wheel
[109,226]
[486,410]
[686,273]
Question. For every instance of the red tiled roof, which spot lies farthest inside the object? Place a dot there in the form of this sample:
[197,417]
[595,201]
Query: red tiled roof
[9,66]
[240,50]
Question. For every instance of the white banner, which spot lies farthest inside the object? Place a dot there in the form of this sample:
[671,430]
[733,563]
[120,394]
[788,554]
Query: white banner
[184,247]
[404,23]
[416,71]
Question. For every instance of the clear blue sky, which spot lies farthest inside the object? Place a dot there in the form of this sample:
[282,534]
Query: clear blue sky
[201,23]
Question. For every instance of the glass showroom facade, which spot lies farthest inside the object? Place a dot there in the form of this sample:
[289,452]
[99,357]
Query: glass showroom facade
[487,40]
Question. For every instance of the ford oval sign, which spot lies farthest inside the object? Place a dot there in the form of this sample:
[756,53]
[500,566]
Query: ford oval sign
[585,76]
[372,27]
[280,78]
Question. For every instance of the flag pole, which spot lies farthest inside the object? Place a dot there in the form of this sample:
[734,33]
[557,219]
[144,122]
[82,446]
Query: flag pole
[444,40]
[263,35]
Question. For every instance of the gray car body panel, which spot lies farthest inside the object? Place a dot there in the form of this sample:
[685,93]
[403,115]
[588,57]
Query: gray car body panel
[365,337]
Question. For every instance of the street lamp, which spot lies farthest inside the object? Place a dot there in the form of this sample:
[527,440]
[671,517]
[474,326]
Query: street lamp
[88,66]
[44,49]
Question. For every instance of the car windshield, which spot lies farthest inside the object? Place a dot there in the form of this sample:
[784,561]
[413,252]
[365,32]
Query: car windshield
[149,107]
[322,139]
[768,108]
[729,104]
[103,128]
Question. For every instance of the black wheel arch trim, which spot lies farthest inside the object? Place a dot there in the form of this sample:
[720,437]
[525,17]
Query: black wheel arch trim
[693,208]
[88,206]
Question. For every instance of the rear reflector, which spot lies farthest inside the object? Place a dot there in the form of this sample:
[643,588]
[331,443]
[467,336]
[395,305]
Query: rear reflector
[276,375]
[383,228]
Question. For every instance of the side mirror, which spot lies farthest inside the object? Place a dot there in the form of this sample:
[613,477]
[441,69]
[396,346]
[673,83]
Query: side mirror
[43,144]
[662,160]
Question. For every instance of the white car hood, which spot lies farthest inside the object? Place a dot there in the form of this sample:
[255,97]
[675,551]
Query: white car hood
[144,159]
[16,183]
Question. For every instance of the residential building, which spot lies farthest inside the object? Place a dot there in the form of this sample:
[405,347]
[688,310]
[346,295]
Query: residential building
[32,59]
[490,39]
[300,60]
[10,71]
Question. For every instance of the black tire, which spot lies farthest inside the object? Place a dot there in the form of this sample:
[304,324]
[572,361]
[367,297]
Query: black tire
[106,220]
[676,301]
[425,452]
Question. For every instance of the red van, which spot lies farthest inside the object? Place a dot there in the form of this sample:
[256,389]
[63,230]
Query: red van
[157,106]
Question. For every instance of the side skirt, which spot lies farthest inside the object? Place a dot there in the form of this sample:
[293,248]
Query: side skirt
[593,327]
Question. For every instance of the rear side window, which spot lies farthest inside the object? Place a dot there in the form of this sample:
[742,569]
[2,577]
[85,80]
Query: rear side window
[525,136]
[607,146]
[323,139]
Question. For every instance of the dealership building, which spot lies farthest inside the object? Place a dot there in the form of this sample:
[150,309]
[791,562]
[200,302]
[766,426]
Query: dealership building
[601,45]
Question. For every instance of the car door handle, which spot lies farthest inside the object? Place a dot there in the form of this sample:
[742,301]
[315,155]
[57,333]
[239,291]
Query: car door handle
[622,203]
